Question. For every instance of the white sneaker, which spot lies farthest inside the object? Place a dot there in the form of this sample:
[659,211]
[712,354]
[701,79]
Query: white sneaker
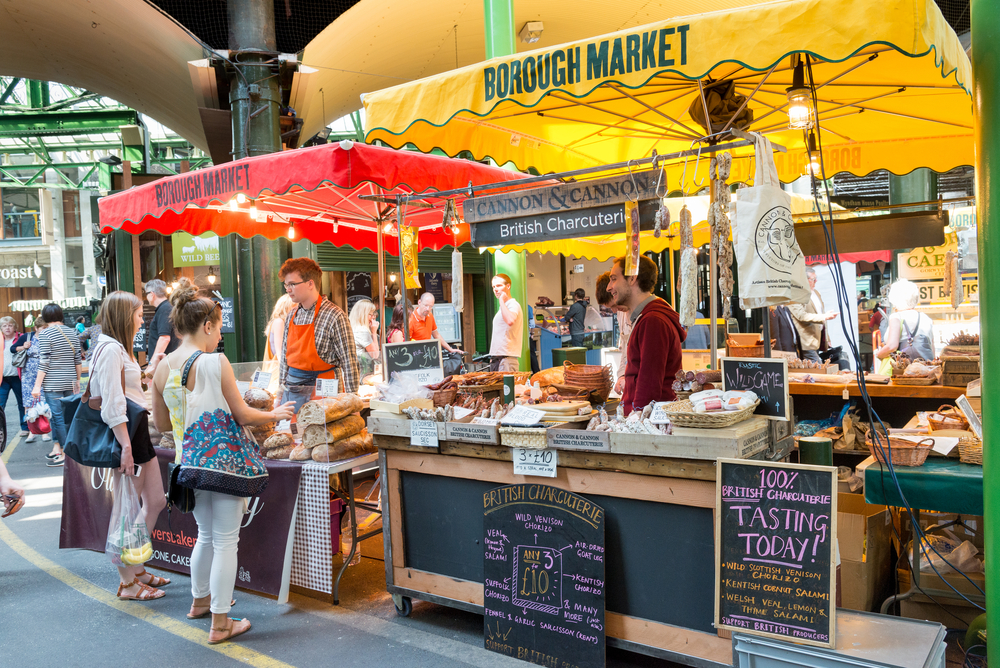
[31,438]
[46,437]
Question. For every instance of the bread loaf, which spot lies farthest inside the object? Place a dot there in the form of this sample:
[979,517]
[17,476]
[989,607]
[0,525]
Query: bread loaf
[329,409]
[553,376]
[353,446]
[321,434]
[279,453]
[262,432]
[300,453]
[259,398]
[276,441]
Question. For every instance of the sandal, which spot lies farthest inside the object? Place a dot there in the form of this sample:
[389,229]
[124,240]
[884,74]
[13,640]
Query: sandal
[146,593]
[236,627]
[200,611]
[155,581]
[56,461]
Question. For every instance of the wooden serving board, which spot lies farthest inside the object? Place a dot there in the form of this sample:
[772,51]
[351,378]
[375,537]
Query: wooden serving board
[561,407]
[569,418]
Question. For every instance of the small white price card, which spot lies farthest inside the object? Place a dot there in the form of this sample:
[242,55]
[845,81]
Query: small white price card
[424,433]
[284,425]
[535,462]
[659,416]
[326,387]
[482,420]
[261,379]
[524,416]
[462,412]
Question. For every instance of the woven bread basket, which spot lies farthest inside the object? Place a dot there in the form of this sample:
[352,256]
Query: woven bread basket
[970,450]
[681,414]
[523,437]
[947,417]
[901,451]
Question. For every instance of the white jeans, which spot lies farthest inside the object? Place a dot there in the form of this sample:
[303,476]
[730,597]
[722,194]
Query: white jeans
[213,560]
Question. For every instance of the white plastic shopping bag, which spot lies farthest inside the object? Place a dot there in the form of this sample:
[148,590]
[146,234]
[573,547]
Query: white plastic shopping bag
[772,269]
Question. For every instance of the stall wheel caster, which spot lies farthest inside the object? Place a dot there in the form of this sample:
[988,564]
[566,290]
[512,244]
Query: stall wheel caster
[404,606]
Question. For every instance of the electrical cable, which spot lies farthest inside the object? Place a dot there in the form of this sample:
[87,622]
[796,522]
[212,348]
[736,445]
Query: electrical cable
[842,299]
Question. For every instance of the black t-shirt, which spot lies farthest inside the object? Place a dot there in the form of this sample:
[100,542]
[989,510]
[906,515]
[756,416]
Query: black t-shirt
[160,326]
[576,316]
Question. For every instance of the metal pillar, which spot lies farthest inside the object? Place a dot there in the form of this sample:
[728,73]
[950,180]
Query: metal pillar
[985,19]
[255,99]
[920,185]
[499,24]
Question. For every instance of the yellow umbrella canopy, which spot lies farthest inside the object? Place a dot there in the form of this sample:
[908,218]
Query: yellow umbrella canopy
[891,81]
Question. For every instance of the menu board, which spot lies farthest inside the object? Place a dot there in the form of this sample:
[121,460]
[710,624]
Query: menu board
[448,322]
[228,316]
[765,377]
[419,359]
[544,576]
[775,565]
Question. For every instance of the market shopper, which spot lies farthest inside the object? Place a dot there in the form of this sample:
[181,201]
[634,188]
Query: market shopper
[59,368]
[423,327]
[29,372]
[654,347]
[199,412]
[364,324]
[318,341]
[605,299]
[576,317]
[115,378]
[909,331]
[395,332]
[160,339]
[11,378]
[508,328]
[11,492]
[274,332]
[810,321]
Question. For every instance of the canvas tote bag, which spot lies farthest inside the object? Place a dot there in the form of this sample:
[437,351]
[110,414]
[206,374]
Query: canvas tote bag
[772,269]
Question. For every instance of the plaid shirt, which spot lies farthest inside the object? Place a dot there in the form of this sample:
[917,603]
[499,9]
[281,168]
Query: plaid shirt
[334,342]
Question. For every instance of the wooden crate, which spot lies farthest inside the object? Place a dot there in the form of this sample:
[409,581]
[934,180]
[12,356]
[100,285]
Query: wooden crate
[398,409]
[742,440]
[959,371]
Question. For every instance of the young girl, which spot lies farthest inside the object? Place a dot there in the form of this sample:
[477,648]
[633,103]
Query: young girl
[198,403]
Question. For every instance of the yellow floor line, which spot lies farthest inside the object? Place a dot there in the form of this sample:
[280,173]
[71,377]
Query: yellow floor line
[10,449]
[141,611]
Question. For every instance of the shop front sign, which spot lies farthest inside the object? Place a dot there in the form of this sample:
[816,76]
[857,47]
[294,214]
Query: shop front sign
[932,292]
[924,263]
[571,224]
[189,251]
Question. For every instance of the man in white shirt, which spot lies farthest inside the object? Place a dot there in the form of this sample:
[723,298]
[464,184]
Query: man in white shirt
[508,328]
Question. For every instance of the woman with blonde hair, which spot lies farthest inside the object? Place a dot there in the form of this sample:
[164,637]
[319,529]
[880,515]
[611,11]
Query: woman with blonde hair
[909,331]
[115,378]
[11,379]
[195,394]
[275,331]
[365,327]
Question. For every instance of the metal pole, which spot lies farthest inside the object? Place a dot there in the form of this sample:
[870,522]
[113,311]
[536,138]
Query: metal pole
[713,287]
[402,269]
[381,291]
[985,23]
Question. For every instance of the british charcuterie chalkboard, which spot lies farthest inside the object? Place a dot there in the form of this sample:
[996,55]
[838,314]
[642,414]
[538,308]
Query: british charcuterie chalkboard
[766,377]
[775,571]
[419,359]
[544,576]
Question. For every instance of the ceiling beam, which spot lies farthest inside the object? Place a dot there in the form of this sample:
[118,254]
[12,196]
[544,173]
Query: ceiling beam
[65,122]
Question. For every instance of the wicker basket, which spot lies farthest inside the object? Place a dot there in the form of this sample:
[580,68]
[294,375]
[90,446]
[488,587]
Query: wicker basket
[970,450]
[902,452]
[947,417]
[913,380]
[681,414]
[595,378]
[444,398]
[523,437]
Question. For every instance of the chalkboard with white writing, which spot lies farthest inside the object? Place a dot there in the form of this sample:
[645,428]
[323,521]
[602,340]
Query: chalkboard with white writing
[228,317]
[544,587]
[419,359]
[765,377]
[775,569]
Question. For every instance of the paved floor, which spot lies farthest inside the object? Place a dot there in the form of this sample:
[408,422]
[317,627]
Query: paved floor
[57,608]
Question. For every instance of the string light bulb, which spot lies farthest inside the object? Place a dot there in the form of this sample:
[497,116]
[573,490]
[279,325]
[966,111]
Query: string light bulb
[800,109]
[241,198]
[233,206]
[291,232]
[211,275]
[253,209]
[387,228]
[813,166]
[392,278]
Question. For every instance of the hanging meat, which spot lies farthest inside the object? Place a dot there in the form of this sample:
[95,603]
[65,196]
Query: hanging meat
[661,220]
[689,271]
[721,230]
[953,279]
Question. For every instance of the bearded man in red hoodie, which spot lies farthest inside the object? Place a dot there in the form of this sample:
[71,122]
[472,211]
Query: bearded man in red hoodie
[654,347]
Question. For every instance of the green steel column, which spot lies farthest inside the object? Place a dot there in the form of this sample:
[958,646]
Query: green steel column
[985,18]
[123,261]
[920,185]
[255,98]
[38,94]
[500,41]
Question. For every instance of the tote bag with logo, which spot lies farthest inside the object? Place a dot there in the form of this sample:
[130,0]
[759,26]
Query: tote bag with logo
[772,269]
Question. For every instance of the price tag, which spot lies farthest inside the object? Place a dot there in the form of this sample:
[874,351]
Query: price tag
[424,433]
[535,462]
[482,420]
[261,379]
[523,416]
[327,387]
[284,425]
[462,412]
[659,416]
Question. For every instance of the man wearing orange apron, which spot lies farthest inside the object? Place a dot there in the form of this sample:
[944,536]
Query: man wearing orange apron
[319,342]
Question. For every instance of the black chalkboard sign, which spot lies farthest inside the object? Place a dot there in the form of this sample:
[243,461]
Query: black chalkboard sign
[228,316]
[139,342]
[766,377]
[775,571]
[544,584]
[420,359]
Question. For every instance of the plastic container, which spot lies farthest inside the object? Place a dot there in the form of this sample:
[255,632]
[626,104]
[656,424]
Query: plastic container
[574,355]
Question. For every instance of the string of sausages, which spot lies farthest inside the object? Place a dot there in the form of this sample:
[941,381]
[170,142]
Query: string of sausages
[721,230]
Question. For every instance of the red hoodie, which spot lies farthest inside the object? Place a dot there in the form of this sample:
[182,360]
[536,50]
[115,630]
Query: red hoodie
[654,356]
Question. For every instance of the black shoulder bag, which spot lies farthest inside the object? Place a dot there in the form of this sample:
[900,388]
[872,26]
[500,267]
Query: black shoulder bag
[178,496]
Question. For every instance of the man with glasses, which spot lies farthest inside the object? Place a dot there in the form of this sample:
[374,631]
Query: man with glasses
[160,337]
[319,342]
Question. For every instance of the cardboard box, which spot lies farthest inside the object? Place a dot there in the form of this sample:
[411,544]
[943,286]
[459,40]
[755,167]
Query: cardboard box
[921,607]
[864,535]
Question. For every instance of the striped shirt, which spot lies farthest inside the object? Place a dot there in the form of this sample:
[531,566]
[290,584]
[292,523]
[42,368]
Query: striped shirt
[58,357]
[334,343]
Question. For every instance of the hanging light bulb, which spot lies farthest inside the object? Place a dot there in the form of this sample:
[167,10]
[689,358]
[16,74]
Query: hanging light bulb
[813,166]
[233,206]
[241,198]
[392,278]
[211,275]
[800,109]
[253,209]
[387,228]
[291,232]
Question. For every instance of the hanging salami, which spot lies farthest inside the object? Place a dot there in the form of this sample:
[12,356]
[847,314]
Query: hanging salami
[689,271]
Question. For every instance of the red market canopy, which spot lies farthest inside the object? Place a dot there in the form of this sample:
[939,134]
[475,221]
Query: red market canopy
[315,189]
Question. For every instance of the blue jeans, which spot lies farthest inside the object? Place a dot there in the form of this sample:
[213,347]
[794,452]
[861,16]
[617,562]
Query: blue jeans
[13,384]
[58,426]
